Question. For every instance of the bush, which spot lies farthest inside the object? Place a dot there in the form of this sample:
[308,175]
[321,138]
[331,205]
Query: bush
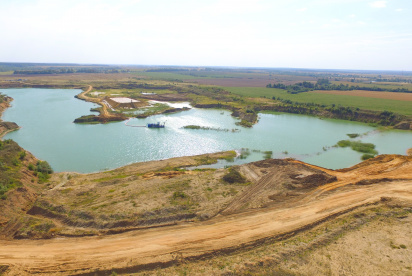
[22,154]
[234,176]
[179,195]
[364,147]
[344,143]
[358,146]
[44,167]
[181,199]
[353,135]
[367,156]
[43,177]
[267,154]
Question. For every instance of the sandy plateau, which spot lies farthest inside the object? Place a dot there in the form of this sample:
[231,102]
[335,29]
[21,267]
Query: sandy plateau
[273,200]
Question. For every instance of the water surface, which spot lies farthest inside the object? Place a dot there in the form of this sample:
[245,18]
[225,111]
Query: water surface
[46,117]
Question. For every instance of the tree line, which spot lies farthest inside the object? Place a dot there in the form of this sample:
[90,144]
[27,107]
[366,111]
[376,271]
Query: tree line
[325,84]
[67,71]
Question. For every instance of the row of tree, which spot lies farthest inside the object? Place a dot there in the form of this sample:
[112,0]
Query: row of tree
[385,118]
[325,84]
[66,71]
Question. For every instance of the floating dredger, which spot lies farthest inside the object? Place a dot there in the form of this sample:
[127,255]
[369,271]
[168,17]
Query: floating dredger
[156,125]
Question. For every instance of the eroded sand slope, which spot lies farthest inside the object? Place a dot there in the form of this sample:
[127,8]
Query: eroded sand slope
[286,196]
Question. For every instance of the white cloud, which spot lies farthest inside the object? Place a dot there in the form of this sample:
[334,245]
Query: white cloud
[302,9]
[352,16]
[378,4]
[399,10]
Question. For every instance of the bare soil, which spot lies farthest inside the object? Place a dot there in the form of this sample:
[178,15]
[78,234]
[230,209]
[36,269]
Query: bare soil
[318,197]
[104,115]
[370,240]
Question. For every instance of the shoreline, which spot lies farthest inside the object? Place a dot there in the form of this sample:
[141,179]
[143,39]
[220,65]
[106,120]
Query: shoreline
[6,127]
[248,119]
[82,96]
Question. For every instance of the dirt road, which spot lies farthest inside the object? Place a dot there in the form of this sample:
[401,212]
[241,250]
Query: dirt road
[104,112]
[137,250]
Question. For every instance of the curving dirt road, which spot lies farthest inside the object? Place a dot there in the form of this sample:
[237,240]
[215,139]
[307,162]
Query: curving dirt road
[137,250]
[104,112]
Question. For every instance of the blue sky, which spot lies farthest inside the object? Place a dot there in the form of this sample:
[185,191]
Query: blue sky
[334,34]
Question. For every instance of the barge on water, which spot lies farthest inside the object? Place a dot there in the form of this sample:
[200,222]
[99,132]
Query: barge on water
[156,125]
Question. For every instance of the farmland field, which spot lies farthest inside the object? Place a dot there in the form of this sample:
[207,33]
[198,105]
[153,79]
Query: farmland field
[235,82]
[7,73]
[370,94]
[397,106]
[384,85]
[203,75]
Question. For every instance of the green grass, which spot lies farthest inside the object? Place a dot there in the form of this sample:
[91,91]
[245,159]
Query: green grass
[400,107]
[383,85]
[119,176]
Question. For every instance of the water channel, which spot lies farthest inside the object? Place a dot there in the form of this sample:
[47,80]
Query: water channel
[47,130]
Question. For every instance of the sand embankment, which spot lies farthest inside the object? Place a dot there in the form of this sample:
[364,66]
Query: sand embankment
[387,176]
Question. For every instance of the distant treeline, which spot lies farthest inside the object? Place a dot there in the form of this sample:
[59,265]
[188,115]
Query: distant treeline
[385,118]
[159,70]
[324,84]
[393,80]
[67,71]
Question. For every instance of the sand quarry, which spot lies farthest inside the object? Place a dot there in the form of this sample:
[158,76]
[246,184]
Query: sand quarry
[284,198]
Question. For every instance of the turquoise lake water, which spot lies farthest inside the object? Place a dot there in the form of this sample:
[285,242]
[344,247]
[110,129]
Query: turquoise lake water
[47,130]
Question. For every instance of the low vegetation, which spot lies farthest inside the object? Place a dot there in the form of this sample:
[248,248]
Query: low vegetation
[234,176]
[13,162]
[42,170]
[325,84]
[11,156]
[353,135]
[367,148]
[367,156]
[311,99]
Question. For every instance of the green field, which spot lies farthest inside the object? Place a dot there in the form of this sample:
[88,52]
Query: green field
[401,107]
[383,85]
